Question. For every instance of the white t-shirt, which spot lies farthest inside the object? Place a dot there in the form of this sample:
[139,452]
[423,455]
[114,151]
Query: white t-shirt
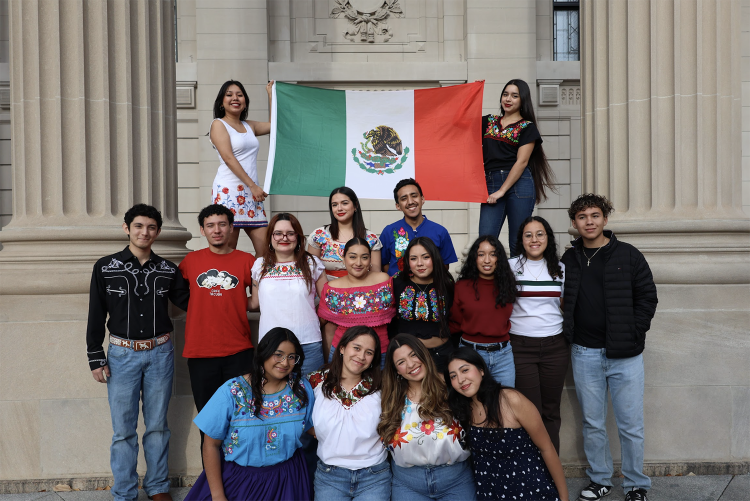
[346,425]
[286,301]
[536,312]
[422,443]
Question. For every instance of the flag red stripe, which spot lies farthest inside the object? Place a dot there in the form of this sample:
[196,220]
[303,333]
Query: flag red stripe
[448,143]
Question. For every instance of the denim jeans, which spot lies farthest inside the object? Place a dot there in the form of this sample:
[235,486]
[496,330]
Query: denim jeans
[423,483]
[333,350]
[518,204]
[500,362]
[334,483]
[132,373]
[313,357]
[594,373]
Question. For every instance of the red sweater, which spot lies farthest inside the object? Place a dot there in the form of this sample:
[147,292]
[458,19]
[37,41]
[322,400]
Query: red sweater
[478,320]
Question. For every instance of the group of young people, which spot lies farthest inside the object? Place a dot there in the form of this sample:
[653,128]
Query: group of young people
[367,343]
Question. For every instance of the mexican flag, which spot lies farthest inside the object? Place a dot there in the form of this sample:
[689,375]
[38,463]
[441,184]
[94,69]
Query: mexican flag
[370,140]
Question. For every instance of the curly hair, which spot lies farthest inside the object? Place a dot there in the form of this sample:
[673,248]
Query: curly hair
[265,350]
[550,252]
[588,200]
[144,210]
[433,403]
[332,383]
[505,282]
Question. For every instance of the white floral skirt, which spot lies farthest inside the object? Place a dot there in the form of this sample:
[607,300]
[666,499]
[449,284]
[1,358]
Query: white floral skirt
[237,197]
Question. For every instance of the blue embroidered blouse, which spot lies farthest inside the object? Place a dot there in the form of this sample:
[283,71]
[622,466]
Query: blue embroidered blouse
[251,440]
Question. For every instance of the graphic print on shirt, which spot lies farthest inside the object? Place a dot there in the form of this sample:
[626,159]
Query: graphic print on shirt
[401,242]
[219,280]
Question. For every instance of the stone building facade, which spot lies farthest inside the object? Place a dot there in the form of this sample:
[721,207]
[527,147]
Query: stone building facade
[656,115]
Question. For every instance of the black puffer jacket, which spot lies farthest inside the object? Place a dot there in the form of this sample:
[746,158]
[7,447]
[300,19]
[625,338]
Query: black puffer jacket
[629,296]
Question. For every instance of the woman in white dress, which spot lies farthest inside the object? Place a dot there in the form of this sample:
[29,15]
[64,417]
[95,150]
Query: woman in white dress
[236,183]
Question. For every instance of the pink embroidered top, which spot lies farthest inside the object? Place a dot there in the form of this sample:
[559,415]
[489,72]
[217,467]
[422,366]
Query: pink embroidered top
[372,305]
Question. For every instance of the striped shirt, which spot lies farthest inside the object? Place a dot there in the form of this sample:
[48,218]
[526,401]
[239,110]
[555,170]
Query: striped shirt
[537,309]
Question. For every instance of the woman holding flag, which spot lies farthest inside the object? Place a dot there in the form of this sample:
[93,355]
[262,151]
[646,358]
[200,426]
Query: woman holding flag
[236,183]
[515,166]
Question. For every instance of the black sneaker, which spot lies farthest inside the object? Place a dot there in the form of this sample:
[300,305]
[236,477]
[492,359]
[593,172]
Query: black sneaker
[636,495]
[594,492]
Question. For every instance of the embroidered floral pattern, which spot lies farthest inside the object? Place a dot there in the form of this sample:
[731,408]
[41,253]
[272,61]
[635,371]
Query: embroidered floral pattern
[316,378]
[406,303]
[412,305]
[423,430]
[398,439]
[401,240]
[234,440]
[240,201]
[244,405]
[347,398]
[341,301]
[272,438]
[330,249]
[283,270]
[510,134]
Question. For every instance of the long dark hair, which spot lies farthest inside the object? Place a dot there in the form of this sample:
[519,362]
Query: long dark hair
[442,280]
[541,172]
[505,282]
[490,393]
[432,405]
[550,253]
[219,110]
[302,258]
[358,223]
[332,383]
[265,350]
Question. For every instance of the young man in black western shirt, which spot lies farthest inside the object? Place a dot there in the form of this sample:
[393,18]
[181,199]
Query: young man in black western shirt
[610,299]
[133,287]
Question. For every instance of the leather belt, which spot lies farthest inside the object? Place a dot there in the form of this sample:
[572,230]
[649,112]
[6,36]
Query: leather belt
[486,347]
[140,344]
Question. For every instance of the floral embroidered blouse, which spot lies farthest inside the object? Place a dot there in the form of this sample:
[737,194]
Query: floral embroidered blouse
[500,144]
[417,311]
[332,251]
[431,442]
[251,440]
[346,425]
[371,305]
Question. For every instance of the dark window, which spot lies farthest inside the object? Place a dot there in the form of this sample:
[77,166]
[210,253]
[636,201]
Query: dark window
[565,30]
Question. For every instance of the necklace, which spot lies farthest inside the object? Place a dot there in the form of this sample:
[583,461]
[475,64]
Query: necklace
[541,270]
[422,287]
[588,259]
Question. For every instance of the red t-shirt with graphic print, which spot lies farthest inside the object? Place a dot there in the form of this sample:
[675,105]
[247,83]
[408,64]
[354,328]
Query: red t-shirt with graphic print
[217,324]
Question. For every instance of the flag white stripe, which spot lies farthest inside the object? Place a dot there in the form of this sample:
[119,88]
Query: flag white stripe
[272,145]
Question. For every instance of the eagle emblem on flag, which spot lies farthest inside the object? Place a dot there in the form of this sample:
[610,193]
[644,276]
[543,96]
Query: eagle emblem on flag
[381,152]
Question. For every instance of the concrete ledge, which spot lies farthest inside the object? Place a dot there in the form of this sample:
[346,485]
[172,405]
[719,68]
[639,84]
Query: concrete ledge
[571,471]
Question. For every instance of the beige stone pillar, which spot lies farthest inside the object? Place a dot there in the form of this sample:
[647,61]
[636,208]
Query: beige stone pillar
[661,132]
[93,128]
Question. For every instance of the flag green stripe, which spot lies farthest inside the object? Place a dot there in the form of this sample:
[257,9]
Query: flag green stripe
[310,154]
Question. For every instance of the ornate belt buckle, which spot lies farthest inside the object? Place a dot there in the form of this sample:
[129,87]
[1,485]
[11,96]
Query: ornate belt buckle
[142,345]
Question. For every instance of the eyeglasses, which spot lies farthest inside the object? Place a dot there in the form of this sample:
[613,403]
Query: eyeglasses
[292,359]
[540,235]
[279,235]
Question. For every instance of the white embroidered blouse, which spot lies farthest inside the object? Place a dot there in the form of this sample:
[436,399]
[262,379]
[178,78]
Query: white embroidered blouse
[346,425]
[422,443]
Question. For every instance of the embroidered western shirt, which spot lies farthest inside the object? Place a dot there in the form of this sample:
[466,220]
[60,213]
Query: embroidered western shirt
[135,297]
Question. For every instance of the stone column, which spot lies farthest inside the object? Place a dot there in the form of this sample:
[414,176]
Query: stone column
[93,128]
[661,132]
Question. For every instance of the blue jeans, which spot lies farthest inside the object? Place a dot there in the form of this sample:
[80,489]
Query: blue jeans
[134,373]
[518,204]
[594,373]
[501,364]
[334,483]
[313,357]
[333,350]
[448,481]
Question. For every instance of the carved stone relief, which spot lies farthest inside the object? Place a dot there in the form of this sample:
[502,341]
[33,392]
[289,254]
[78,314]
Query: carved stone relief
[367,18]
